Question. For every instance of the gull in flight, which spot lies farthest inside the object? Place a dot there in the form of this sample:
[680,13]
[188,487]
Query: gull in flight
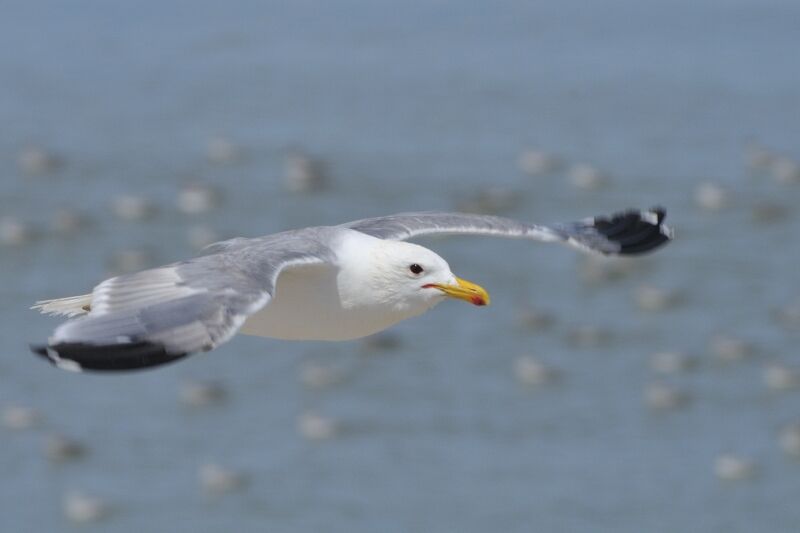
[319,283]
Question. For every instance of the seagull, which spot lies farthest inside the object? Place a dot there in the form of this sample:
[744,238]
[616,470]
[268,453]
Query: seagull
[327,283]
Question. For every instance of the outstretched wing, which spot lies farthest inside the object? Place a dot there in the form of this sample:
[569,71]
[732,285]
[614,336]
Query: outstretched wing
[625,233]
[160,315]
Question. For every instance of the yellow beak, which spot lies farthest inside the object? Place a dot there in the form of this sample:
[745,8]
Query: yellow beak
[464,290]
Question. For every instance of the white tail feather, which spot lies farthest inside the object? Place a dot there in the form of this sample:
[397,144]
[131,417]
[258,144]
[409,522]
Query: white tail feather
[69,307]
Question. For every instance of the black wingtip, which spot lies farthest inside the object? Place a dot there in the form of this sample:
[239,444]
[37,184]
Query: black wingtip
[39,350]
[79,357]
[635,232]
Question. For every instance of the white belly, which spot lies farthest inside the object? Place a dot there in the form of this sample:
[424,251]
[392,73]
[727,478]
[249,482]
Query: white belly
[307,306]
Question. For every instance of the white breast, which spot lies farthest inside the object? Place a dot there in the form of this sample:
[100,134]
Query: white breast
[308,305]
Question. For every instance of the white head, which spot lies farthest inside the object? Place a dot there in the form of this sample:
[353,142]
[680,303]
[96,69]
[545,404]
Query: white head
[409,279]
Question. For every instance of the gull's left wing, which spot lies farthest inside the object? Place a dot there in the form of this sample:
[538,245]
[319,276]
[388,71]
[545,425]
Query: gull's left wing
[157,316]
[625,233]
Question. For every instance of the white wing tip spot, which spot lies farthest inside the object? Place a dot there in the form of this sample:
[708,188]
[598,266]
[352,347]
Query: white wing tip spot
[63,364]
[651,217]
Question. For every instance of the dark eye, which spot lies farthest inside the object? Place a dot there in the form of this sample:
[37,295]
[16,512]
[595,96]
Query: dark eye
[415,268]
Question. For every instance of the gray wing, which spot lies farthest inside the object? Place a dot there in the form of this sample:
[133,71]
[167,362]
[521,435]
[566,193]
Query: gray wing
[625,233]
[160,315]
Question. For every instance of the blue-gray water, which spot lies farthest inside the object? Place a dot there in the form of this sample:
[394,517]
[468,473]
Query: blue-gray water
[412,106]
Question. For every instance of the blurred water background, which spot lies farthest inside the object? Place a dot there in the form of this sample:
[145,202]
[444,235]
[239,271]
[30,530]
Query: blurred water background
[651,395]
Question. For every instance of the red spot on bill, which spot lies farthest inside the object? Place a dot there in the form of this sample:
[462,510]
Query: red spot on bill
[477,300]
